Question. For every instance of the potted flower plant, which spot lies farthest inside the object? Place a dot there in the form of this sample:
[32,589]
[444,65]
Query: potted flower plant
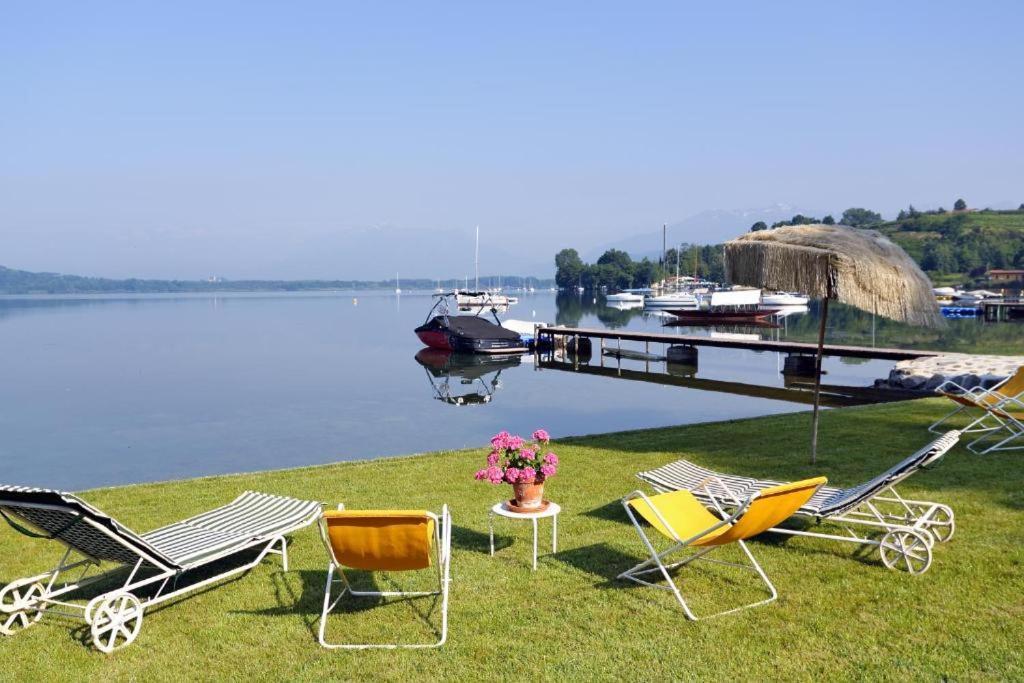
[524,464]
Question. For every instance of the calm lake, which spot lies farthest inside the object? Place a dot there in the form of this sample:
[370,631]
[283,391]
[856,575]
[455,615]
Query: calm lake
[109,390]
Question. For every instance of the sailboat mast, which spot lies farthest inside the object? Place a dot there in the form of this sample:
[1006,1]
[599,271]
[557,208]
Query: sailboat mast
[476,259]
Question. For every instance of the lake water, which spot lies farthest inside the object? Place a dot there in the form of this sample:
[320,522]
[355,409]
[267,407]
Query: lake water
[108,390]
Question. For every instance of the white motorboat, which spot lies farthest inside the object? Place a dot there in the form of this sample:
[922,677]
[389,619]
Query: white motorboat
[783,299]
[975,296]
[674,300]
[466,300]
[625,297]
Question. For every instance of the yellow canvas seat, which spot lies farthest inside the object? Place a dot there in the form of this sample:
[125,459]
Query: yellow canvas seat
[385,540]
[682,519]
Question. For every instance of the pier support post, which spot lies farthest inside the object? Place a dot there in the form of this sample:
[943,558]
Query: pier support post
[817,381]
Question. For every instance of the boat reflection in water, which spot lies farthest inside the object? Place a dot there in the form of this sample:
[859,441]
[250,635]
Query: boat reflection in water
[465,379]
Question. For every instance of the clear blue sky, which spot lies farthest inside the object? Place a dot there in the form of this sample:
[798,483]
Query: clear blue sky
[182,138]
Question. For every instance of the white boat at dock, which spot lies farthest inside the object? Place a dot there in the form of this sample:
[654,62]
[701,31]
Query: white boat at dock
[976,296]
[484,299]
[783,299]
[673,300]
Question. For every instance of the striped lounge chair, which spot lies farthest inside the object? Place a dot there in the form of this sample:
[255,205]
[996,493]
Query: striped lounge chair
[152,567]
[909,527]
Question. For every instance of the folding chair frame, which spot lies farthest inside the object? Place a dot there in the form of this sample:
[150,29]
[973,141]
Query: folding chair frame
[912,527]
[442,551]
[997,419]
[115,616]
[657,558]
[975,396]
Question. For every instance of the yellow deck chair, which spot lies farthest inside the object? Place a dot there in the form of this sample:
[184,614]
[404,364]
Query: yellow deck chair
[982,400]
[683,520]
[385,540]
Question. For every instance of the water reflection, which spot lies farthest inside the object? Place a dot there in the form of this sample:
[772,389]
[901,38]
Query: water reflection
[464,379]
[796,388]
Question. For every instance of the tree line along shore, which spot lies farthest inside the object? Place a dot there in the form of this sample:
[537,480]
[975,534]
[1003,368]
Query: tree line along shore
[961,246]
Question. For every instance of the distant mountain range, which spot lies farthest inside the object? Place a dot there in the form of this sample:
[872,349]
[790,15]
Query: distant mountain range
[707,227]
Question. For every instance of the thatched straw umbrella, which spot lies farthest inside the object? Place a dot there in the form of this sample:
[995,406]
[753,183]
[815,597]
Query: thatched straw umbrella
[862,268]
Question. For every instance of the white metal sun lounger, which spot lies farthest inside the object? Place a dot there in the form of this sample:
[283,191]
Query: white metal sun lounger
[154,567]
[910,527]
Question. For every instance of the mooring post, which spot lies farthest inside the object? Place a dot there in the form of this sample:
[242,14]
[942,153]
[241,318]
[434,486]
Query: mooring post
[602,352]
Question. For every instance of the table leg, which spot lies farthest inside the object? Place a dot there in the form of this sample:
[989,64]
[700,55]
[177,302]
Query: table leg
[554,534]
[534,544]
[490,524]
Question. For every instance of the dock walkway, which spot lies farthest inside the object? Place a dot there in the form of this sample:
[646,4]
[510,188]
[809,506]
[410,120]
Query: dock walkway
[749,344]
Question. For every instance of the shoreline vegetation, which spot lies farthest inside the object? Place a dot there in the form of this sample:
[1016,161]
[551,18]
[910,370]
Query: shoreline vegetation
[26,282]
[850,616]
[956,247]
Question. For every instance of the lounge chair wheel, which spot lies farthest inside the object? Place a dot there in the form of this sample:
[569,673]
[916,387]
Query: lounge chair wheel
[906,549]
[942,524]
[20,607]
[115,621]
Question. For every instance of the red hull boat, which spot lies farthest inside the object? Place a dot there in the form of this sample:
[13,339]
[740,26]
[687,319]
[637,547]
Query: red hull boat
[713,317]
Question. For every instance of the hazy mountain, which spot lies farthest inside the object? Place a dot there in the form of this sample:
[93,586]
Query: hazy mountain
[707,227]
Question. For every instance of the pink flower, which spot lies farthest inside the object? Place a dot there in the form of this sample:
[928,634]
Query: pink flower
[512,475]
[527,454]
[493,458]
[500,441]
[527,474]
[541,435]
[514,442]
[548,470]
[551,459]
[491,474]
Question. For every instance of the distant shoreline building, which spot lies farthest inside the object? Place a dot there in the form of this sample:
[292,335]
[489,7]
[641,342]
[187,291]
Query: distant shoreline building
[1006,275]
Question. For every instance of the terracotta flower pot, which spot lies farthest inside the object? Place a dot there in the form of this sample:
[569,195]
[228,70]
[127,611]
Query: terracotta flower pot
[529,495]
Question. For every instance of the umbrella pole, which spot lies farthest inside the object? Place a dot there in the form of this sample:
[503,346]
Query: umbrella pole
[817,381]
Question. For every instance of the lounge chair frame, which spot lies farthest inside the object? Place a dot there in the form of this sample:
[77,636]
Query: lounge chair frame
[115,616]
[999,418]
[657,559]
[442,551]
[975,399]
[911,527]
[904,530]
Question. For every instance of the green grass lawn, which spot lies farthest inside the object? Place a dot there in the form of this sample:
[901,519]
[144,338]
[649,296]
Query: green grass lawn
[840,614]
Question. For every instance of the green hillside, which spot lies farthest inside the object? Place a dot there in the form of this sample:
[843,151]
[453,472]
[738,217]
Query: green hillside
[960,246]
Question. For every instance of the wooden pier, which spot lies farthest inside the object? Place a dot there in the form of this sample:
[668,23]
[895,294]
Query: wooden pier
[648,338]
[1001,311]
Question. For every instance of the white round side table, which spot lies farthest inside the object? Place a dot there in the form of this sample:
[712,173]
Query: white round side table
[552,511]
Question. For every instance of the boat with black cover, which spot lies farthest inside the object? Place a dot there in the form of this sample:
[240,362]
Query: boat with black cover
[467,333]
